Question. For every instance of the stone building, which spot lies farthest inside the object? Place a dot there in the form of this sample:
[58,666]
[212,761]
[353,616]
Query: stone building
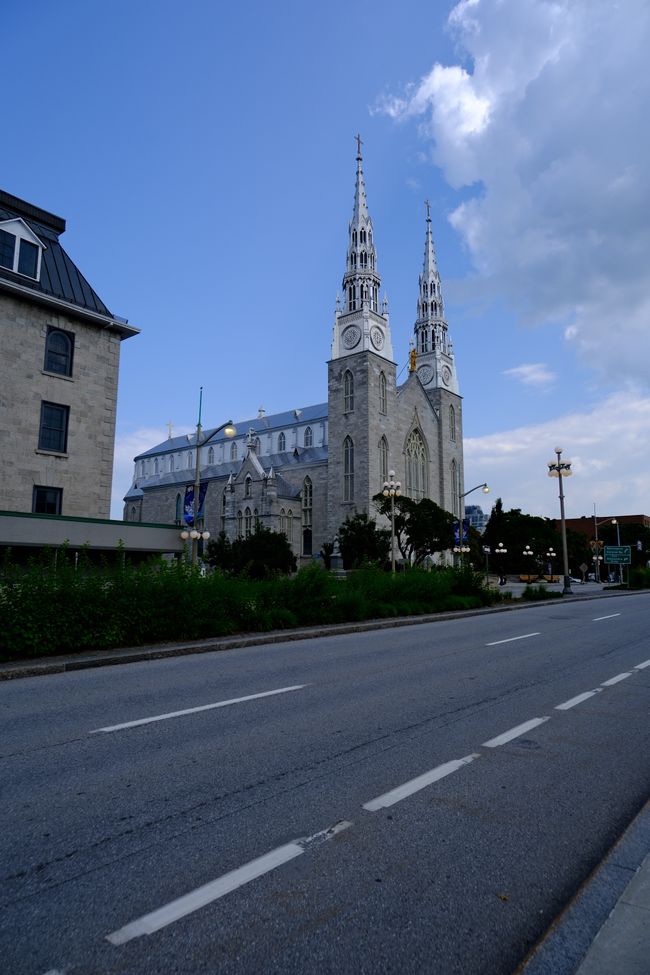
[304,471]
[59,369]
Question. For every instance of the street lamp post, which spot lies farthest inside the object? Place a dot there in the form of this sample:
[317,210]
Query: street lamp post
[528,551]
[196,534]
[550,555]
[392,490]
[460,547]
[562,468]
[598,545]
[501,550]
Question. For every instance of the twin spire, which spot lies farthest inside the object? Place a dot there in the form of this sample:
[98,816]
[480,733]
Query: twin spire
[362,324]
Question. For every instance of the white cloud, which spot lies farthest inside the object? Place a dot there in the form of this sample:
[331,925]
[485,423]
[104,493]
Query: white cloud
[532,374]
[128,446]
[546,120]
[608,447]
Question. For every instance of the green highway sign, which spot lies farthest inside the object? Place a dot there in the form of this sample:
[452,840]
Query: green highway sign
[617,555]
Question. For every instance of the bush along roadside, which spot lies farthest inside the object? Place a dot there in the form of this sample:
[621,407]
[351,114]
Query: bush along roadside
[59,607]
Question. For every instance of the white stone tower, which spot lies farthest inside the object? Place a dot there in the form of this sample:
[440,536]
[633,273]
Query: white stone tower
[362,397]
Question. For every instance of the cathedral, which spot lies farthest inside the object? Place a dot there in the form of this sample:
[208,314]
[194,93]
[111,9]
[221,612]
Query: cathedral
[304,471]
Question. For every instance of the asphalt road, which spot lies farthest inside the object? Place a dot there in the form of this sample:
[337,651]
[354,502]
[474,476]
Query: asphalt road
[423,799]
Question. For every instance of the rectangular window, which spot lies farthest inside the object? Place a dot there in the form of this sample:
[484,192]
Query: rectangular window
[27,259]
[53,434]
[47,500]
[7,248]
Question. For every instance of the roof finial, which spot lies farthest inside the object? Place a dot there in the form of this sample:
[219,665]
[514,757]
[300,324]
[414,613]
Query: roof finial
[428,206]
[359,144]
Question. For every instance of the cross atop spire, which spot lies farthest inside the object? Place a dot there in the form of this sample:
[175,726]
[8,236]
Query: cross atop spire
[428,206]
[359,144]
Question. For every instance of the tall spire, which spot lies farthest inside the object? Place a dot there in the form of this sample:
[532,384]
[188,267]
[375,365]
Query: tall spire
[360,316]
[435,354]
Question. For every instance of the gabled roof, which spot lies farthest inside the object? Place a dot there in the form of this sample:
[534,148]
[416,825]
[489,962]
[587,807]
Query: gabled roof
[259,425]
[60,278]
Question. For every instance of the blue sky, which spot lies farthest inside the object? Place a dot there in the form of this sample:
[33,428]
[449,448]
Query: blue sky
[203,157]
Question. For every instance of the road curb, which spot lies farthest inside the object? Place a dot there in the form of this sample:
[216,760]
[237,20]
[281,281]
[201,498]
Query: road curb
[564,945]
[127,655]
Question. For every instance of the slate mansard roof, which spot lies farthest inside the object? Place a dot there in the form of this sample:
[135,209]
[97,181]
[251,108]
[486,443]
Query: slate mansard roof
[60,279]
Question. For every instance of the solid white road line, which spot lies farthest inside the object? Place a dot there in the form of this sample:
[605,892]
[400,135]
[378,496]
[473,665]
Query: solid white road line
[596,619]
[571,703]
[510,639]
[646,663]
[615,680]
[507,736]
[204,707]
[221,886]
[414,785]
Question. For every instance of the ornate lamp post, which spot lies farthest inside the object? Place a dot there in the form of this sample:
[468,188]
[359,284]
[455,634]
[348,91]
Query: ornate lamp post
[528,551]
[562,468]
[501,550]
[550,555]
[460,548]
[195,534]
[392,490]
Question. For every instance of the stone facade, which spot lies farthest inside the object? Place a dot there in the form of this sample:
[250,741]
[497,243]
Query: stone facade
[325,463]
[55,298]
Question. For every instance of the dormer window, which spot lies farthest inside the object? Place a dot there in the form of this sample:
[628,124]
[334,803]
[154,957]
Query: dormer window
[20,249]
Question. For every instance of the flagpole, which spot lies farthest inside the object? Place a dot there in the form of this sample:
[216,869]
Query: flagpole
[197,486]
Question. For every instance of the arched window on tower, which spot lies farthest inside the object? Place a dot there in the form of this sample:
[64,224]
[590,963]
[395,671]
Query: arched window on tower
[452,424]
[383,462]
[282,442]
[134,513]
[362,237]
[309,437]
[353,260]
[348,469]
[383,397]
[455,489]
[352,303]
[210,455]
[307,512]
[233,451]
[363,259]
[416,466]
[248,522]
[354,237]
[248,486]
[58,352]
[348,392]
[425,289]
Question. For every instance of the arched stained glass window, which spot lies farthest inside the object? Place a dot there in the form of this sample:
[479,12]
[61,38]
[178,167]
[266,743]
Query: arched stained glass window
[309,437]
[348,392]
[416,466]
[248,486]
[290,525]
[383,462]
[348,469]
[210,455]
[283,521]
[383,398]
[282,442]
[156,466]
[452,423]
[248,522]
[171,462]
[233,451]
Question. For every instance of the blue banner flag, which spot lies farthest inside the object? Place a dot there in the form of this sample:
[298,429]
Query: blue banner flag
[457,533]
[465,530]
[188,506]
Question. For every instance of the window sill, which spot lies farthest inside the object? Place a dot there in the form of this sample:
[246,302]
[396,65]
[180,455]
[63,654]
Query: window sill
[57,375]
[51,453]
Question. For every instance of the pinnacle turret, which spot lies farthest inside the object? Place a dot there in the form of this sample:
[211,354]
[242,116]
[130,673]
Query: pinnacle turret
[435,355]
[361,323]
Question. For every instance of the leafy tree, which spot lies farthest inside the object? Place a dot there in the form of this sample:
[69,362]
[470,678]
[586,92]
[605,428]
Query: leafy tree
[262,554]
[361,541]
[421,527]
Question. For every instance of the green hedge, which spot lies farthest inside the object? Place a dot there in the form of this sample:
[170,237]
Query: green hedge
[69,609]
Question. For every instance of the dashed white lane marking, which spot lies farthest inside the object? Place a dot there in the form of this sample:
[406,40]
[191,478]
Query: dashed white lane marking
[615,680]
[510,639]
[414,785]
[149,923]
[520,729]
[203,707]
[646,663]
[578,699]
[611,616]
